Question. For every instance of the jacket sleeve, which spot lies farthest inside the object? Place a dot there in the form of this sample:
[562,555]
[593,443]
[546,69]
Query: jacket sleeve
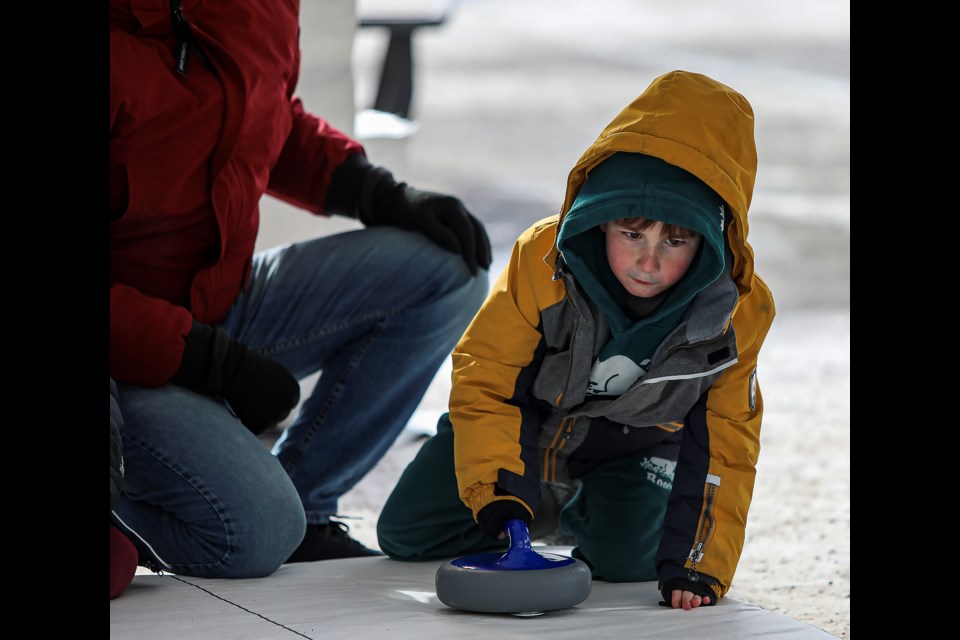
[707,510]
[146,337]
[493,415]
[314,148]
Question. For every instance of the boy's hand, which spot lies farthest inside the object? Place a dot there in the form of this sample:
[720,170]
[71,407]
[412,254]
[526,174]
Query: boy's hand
[679,593]
[687,599]
[493,517]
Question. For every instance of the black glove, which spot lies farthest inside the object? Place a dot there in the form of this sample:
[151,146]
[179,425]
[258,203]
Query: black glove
[260,391]
[702,589]
[493,517]
[116,447]
[370,193]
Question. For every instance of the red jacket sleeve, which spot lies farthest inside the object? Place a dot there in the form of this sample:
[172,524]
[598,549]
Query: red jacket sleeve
[312,151]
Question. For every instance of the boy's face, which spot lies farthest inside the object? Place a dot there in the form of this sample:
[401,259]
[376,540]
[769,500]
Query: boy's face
[646,263]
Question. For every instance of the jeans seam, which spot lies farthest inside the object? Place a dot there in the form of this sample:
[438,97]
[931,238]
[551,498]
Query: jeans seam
[335,391]
[211,501]
[300,341]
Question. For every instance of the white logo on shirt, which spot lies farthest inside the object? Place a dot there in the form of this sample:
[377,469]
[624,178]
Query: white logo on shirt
[612,377]
[660,471]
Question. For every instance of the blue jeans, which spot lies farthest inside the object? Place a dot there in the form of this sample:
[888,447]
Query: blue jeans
[377,311]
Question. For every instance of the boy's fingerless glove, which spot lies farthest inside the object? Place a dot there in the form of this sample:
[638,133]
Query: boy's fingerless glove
[371,194]
[260,391]
[702,589]
[493,517]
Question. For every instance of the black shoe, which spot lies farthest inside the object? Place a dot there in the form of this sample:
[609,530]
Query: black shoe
[329,541]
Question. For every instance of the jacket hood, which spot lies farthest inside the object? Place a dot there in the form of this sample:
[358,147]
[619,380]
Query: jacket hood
[628,185]
[697,124]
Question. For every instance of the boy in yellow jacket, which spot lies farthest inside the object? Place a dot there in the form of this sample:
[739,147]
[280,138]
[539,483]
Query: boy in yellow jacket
[616,356]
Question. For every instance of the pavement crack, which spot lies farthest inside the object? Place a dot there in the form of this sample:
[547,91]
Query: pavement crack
[293,631]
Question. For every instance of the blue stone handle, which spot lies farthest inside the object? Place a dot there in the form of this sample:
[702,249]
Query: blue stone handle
[521,555]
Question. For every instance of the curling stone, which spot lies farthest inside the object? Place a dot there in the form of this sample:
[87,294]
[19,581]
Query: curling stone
[520,581]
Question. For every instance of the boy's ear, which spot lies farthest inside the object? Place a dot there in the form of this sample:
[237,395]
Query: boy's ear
[603,227]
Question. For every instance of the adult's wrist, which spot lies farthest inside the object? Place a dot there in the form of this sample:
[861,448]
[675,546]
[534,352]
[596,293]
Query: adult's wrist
[343,194]
[204,349]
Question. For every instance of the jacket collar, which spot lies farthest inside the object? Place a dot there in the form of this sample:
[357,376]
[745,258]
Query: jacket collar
[146,15]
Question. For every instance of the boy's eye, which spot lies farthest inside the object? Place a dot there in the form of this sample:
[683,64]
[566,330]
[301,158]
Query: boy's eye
[675,242]
[632,235]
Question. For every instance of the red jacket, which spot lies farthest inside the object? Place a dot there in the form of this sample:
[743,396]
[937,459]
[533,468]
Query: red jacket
[190,157]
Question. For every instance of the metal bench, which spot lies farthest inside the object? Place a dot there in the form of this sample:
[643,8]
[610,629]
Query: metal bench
[402,19]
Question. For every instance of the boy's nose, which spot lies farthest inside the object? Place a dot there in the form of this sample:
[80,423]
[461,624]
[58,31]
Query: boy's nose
[648,262]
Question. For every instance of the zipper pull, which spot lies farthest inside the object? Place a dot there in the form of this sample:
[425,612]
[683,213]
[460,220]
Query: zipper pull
[180,30]
[696,554]
[181,53]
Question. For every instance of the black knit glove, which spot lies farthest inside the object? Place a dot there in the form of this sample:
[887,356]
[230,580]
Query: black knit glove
[493,517]
[702,589]
[116,447]
[370,193]
[260,391]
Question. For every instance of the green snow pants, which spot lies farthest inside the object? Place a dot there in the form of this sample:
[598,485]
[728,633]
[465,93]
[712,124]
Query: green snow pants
[615,517]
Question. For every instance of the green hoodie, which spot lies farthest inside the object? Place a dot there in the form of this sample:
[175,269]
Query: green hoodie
[628,185]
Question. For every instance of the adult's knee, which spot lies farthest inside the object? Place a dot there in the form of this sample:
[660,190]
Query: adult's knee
[254,538]
[460,299]
[445,272]
[266,543]
[472,295]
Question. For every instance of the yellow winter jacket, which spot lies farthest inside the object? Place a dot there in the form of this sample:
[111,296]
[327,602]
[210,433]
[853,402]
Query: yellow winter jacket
[518,405]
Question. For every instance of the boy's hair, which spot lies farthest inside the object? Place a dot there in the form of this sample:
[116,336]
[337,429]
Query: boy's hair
[668,231]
